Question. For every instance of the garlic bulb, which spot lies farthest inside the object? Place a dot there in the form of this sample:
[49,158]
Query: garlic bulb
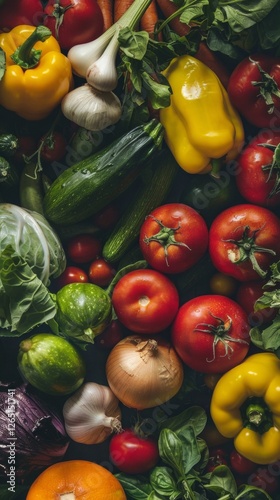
[102,74]
[90,108]
[92,414]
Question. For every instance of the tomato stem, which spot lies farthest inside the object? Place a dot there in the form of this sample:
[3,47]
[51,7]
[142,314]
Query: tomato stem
[165,237]
[268,87]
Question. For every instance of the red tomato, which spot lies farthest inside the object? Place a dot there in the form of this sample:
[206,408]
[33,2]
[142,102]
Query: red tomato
[217,456]
[54,147]
[111,335]
[257,176]
[74,21]
[71,274]
[211,333]
[83,248]
[246,296]
[173,238]
[20,12]
[101,272]
[107,217]
[26,147]
[240,464]
[244,240]
[145,301]
[266,478]
[132,453]
[253,89]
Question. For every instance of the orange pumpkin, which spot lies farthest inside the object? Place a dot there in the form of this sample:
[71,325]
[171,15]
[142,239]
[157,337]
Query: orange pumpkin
[76,479]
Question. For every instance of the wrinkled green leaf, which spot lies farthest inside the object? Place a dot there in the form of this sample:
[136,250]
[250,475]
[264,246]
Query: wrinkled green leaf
[27,301]
[194,416]
[133,43]
[267,338]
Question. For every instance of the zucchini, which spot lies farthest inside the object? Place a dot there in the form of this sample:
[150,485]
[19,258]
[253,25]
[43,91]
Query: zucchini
[150,195]
[89,185]
[8,174]
[31,188]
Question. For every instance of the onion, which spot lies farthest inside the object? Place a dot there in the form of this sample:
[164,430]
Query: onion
[91,414]
[144,372]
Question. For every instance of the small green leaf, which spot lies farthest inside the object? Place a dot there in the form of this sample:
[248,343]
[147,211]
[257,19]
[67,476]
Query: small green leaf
[2,63]
[163,482]
[171,450]
[222,481]
[133,43]
[252,493]
[136,487]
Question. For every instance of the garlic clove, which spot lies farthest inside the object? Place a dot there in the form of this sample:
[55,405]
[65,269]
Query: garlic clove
[90,108]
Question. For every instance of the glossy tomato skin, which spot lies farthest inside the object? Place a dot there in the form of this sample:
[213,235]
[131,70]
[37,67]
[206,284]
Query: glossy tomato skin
[193,333]
[82,22]
[71,274]
[54,147]
[83,248]
[255,183]
[145,301]
[101,272]
[20,12]
[246,295]
[246,96]
[241,465]
[187,242]
[227,230]
[132,453]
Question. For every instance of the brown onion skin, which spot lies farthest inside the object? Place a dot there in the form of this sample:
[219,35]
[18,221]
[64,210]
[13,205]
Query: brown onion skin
[144,372]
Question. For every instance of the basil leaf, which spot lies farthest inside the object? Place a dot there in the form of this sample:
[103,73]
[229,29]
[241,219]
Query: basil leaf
[163,482]
[194,416]
[222,481]
[191,451]
[253,493]
[136,487]
[171,450]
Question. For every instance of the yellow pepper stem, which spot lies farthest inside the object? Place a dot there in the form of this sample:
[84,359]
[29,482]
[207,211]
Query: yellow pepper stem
[25,55]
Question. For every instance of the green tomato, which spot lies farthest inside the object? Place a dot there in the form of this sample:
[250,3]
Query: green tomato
[51,364]
[84,310]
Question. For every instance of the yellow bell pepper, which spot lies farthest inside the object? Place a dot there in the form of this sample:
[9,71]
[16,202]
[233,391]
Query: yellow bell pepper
[37,74]
[201,126]
[245,406]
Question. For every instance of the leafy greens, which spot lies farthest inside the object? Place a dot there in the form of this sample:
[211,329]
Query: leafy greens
[30,256]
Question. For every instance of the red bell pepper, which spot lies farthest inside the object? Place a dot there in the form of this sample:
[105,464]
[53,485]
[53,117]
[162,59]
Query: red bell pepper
[20,12]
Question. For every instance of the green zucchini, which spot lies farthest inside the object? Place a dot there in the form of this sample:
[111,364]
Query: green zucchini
[150,195]
[31,188]
[88,186]
[8,174]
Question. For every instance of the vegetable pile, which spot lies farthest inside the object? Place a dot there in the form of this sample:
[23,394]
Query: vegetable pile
[139,250]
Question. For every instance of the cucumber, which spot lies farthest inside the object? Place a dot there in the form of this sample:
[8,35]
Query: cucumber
[88,186]
[150,195]
[31,188]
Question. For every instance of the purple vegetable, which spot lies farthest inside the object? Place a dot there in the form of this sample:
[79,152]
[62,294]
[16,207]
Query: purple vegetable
[32,434]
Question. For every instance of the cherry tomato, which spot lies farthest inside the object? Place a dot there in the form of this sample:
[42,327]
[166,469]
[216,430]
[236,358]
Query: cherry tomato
[145,301]
[132,453]
[257,176]
[111,335]
[71,274]
[266,478]
[244,240]
[223,284]
[26,147]
[217,456]
[247,294]
[240,464]
[211,333]
[107,217]
[101,272]
[54,147]
[73,22]
[173,237]
[83,248]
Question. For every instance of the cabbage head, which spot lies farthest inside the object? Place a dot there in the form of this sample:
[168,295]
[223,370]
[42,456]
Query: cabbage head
[31,255]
